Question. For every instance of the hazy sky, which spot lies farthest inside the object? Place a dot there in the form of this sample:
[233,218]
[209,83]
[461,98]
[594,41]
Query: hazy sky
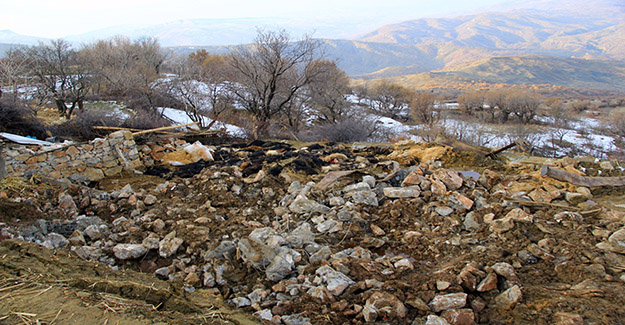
[60,18]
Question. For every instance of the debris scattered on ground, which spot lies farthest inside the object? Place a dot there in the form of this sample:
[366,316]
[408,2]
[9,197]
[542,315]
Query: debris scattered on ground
[327,233]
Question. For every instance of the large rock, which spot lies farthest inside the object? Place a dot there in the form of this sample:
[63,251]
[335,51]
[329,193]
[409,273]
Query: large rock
[336,282]
[509,298]
[282,264]
[55,241]
[364,197]
[401,192]
[387,303]
[303,205]
[448,301]
[464,316]
[129,251]
[450,178]
[169,245]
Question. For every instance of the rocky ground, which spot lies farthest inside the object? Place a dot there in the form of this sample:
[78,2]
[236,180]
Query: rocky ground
[327,233]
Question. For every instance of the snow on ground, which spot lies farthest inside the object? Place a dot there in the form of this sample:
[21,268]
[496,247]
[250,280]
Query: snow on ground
[181,117]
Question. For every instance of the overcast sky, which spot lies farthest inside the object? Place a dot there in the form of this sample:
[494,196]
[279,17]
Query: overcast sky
[60,18]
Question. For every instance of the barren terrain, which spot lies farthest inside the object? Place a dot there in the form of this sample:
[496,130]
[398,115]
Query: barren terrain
[318,233]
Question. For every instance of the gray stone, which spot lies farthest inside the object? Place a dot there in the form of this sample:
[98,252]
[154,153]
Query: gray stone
[296,319]
[209,279]
[67,204]
[124,193]
[295,187]
[328,226]
[470,222]
[264,314]
[77,239]
[364,197]
[261,235]
[255,254]
[435,320]
[336,201]
[507,271]
[336,282]
[163,272]
[95,232]
[87,252]
[362,186]
[150,200]
[501,225]
[618,238]
[444,211]
[575,198]
[321,255]
[225,249]
[169,245]
[448,301]
[55,241]
[301,235]
[282,265]
[303,205]
[129,251]
[151,241]
[241,302]
[370,313]
[369,180]
[402,192]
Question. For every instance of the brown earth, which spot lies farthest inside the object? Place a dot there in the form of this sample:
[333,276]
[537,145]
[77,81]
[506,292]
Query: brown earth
[560,270]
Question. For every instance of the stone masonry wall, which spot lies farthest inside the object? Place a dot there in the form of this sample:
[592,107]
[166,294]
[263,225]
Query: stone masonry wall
[85,162]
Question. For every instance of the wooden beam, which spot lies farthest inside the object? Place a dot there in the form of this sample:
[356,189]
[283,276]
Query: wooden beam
[164,128]
[565,176]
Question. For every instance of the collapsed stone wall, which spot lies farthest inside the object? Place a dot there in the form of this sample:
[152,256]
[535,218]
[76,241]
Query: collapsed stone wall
[91,161]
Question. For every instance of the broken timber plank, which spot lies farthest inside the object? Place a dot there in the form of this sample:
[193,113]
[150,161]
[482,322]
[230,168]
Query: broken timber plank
[563,175]
[164,128]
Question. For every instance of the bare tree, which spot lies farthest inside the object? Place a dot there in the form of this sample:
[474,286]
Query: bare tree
[126,68]
[473,104]
[270,73]
[12,71]
[523,104]
[422,108]
[200,86]
[496,99]
[389,99]
[327,91]
[59,74]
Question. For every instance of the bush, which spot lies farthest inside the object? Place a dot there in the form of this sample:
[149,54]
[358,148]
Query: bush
[20,120]
[145,119]
[81,126]
[349,129]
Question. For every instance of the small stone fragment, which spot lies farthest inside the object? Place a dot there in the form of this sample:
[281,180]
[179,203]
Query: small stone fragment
[448,301]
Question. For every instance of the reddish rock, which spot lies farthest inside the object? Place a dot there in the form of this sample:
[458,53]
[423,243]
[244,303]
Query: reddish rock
[488,283]
[448,301]
[464,316]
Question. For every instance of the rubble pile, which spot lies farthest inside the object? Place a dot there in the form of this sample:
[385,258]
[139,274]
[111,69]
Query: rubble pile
[335,234]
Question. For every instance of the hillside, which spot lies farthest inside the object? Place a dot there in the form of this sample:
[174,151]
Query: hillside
[522,31]
[523,70]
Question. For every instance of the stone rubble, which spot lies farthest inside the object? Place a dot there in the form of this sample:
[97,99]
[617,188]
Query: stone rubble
[290,250]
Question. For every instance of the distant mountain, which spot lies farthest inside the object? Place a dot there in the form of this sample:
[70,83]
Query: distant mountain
[528,31]
[215,32]
[526,70]
[9,37]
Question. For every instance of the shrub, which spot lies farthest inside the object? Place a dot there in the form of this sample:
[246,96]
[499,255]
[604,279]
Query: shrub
[145,119]
[20,120]
[348,129]
[81,126]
